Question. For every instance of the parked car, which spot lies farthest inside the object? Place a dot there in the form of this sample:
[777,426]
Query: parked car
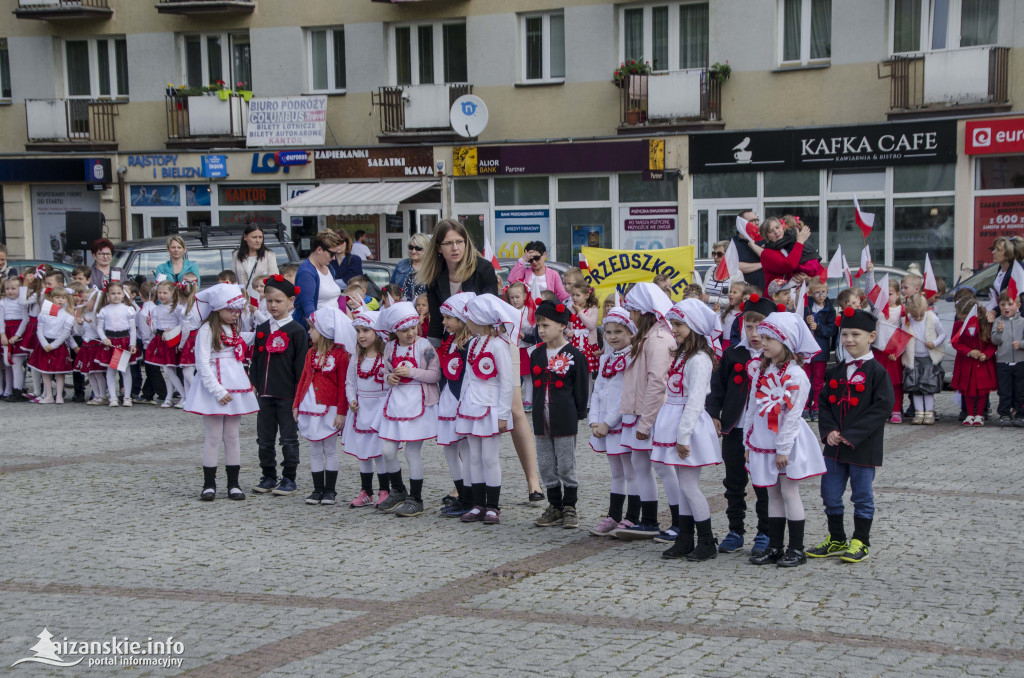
[507,264]
[979,283]
[22,264]
[378,272]
[211,248]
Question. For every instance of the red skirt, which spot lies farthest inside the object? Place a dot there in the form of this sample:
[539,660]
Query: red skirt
[187,356]
[159,352]
[103,354]
[57,361]
[974,378]
[85,359]
[29,341]
[893,367]
[590,351]
[524,361]
[11,328]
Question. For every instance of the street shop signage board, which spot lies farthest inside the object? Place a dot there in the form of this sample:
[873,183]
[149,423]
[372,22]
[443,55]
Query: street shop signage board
[641,155]
[989,137]
[995,216]
[879,145]
[287,121]
[373,163]
[611,270]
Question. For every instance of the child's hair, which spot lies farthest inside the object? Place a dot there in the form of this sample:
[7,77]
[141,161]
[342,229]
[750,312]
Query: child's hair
[915,279]
[59,292]
[216,327]
[916,305]
[289,270]
[963,307]
[692,345]
[643,326]
[984,326]
[816,284]
[130,287]
[1003,297]
[516,286]
[753,317]
[573,276]
[584,288]
[378,346]
[753,289]
[57,275]
[549,295]
[81,270]
[659,279]
[693,291]
[185,295]
[393,290]
[787,357]
[463,336]
[846,297]
[422,295]
[360,280]
[146,290]
[105,299]
[323,345]
[894,286]
[940,285]
[166,285]
[12,282]
[76,287]
[355,291]
[37,285]
[228,276]
[726,308]
[609,302]
[963,293]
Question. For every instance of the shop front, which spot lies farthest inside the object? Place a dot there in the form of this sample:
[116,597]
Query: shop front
[903,173]
[615,194]
[996,151]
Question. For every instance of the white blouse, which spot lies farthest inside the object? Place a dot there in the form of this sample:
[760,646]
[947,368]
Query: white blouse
[696,386]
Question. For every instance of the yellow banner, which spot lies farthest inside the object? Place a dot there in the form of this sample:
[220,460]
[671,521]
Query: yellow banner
[614,269]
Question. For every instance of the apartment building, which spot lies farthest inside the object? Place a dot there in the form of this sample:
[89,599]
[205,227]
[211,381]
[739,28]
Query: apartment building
[785,106]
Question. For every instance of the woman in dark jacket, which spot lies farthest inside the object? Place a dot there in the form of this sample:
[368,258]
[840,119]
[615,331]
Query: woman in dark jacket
[345,264]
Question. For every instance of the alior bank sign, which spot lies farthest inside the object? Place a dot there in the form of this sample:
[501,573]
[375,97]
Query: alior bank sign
[988,137]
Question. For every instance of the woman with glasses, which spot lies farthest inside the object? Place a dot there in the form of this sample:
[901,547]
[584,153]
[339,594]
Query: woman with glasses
[717,290]
[103,254]
[315,279]
[404,274]
[345,264]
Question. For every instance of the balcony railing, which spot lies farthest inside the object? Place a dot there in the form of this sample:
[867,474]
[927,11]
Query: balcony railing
[71,121]
[206,121]
[972,76]
[678,98]
[416,111]
[48,10]
[206,6]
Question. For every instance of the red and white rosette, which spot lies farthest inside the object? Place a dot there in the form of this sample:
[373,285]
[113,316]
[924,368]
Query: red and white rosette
[613,366]
[560,364]
[484,366]
[452,366]
[277,342]
[379,375]
[407,360]
[675,383]
[774,391]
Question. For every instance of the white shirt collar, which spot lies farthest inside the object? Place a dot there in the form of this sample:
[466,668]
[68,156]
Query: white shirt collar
[276,324]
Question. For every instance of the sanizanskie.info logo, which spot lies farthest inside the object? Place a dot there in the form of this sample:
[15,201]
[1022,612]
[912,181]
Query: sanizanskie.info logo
[114,652]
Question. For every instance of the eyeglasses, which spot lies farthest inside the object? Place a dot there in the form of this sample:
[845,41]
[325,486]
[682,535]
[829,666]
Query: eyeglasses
[718,255]
[416,248]
[337,251]
[453,243]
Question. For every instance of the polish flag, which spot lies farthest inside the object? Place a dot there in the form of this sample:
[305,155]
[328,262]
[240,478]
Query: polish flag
[729,266]
[865,258]
[931,287]
[893,338]
[835,265]
[618,297]
[993,300]
[847,274]
[50,308]
[489,255]
[172,337]
[584,266]
[801,299]
[747,229]
[115,276]
[879,296]
[120,360]
[970,321]
[865,220]
[1016,286]
[254,301]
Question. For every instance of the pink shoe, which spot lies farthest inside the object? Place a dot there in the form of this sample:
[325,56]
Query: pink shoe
[897,418]
[604,527]
[381,496]
[363,499]
[625,524]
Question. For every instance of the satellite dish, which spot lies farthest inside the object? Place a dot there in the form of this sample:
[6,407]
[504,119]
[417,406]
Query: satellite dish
[469,115]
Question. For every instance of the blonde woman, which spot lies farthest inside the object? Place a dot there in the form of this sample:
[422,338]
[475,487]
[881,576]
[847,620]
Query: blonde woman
[177,266]
[406,271]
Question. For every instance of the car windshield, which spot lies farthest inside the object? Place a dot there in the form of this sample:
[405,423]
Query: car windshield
[380,276]
[978,282]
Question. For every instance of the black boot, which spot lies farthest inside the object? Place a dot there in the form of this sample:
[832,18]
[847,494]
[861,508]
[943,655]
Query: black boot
[234,491]
[836,529]
[707,545]
[776,532]
[632,508]
[330,482]
[684,542]
[862,530]
[318,488]
[209,483]
[795,554]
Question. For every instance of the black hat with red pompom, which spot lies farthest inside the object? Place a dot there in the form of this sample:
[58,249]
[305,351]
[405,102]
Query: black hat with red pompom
[855,319]
[552,311]
[279,282]
[758,304]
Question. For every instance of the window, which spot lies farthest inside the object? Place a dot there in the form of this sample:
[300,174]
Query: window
[670,37]
[521,191]
[327,59]
[942,24]
[215,57]
[425,54]
[94,68]
[543,47]
[805,31]
[5,71]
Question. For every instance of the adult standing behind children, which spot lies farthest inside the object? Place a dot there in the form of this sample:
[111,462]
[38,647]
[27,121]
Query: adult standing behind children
[314,280]
[531,270]
[254,260]
[177,266]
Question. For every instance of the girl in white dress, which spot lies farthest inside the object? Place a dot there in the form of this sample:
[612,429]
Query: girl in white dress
[52,355]
[163,349]
[222,393]
[685,439]
[364,387]
[781,449]
[115,324]
[452,355]
[190,320]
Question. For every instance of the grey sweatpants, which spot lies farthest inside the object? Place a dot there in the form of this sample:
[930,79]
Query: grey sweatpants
[556,460]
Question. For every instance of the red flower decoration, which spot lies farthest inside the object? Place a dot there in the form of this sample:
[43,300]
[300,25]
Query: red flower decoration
[261,349]
[259,335]
[860,388]
[297,289]
[536,369]
[848,311]
[754,298]
[277,342]
[781,308]
[738,379]
[738,367]
[536,383]
[560,308]
[832,399]
[559,384]
[854,401]
[833,384]
[278,277]
[743,306]
[838,320]
[266,280]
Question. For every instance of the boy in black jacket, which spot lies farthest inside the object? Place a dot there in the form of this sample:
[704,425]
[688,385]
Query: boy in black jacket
[855,404]
[730,388]
[560,391]
[279,354]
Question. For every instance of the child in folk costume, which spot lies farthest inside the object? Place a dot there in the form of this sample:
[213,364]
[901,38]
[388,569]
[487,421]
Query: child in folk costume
[364,386]
[974,373]
[115,324]
[855,404]
[643,394]
[485,409]
[279,355]
[85,360]
[409,413]
[583,324]
[162,351]
[222,393]
[606,423]
[52,355]
[188,315]
[781,448]
[321,404]
[561,374]
[13,325]
[889,320]
[516,295]
[452,355]
[922,358]
[685,439]
[32,301]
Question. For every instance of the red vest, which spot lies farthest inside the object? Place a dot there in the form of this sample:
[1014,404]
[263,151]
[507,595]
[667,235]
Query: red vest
[328,386]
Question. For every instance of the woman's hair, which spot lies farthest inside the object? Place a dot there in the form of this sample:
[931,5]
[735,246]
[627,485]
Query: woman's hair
[769,221]
[1009,246]
[378,346]
[724,244]
[328,239]
[434,261]
[105,299]
[916,305]
[420,240]
[178,239]
[693,344]
[787,357]
[584,288]
[643,326]
[99,244]
[81,270]
[243,248]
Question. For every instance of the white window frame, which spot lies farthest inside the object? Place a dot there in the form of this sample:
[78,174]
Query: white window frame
[94,68]
[673,32]
[805,36]
[953,36]
[545,46]
[331,75]
[414,54]
[227,64]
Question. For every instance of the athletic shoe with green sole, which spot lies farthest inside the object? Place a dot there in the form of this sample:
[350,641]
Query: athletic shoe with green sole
[857,552]
[828,547]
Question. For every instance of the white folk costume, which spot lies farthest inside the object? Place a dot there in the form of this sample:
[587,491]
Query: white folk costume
[453,368]
[410,407]
[321,396]
[606,398]
[166,325]
[53,331]
[31,302]
[116,323]
[774,423]
[364,383]
[190,321]
[644,386]
[488,384]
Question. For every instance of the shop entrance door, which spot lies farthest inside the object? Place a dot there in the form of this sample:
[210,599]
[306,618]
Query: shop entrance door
[162,225]
[717,221]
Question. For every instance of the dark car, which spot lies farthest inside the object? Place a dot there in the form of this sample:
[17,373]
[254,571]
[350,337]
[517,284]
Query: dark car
[378,272]
[22,264]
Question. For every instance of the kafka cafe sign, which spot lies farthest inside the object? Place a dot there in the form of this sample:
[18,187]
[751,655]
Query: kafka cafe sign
[288,164]
[879,145]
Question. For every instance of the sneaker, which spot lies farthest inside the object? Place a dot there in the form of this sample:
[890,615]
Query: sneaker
[285,487]
[126,402]
[929,418]
[827,548]
[180,405]
[640,531]
[167,404]
[857,552]
[918,419]
[791,558]
[771,555]
[668,536]
[623,525]
[410,508]
[473,515]
[760,544]
[536,496]
[381,497]
[236,493]
[265,485]
[138,400]
[95,401]
[896,418]
[527,407]
[552,516]
[329,498]
[363,499]
[731,543]
[570,520]
[314,497]
[1004,422]
[969,420]
[492,517]
[604,527]
[113,402]
[394,500]
[456,510]
[207,494]
[979,420]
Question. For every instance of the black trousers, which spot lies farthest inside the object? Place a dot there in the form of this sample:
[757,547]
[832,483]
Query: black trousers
[735,483]
[274,418]
[77,378]
[1011,388]
[154,388]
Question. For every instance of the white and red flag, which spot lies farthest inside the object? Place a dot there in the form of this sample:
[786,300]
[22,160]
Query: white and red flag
[747,229]
[865,259]
[931,287]
[865,220]
[729,267]
[489,255]
[879,296]
[970,322]
[120,359]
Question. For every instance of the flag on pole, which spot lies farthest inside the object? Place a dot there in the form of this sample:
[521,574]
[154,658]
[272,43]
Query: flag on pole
[801,299]
[847,274]
[254,301]
[931,287]
[729,267]
[50,308]
[893,338]
[747,230]
[584,266]
[835,265]
[879,296]
[993,300]
[865,259]
[971,321]
[865,220]
[489,255]
[1016,285]
[697,280]
[172,337]
[120,360]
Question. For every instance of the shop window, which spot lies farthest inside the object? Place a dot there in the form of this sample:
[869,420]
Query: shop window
[924,225]
[543,47]
[5,71]
[731,185]
[209,58]
[579,227]
[326,59]
[97,67]
[785,184]
[809,213]
[1000,173]
[843,230]
[521,191]
[852,181]
[632,188]
[429,53]
[924,178]
[669,37]
[471,190]
[244,217]
[805,28]
[583,189]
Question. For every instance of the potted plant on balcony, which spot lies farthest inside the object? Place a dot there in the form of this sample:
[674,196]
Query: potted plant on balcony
[627,68]
[242,90]
[720,72]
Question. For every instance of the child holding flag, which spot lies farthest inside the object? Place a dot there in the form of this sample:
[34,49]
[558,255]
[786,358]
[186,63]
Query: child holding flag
[820,316]
[922,358]
[974,372]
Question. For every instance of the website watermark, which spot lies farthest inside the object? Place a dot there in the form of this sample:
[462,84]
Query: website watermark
[123,651]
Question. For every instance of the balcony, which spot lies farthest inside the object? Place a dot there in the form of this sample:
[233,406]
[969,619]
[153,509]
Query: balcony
[71,124]
[417,113]
[57,10]
[206,121]
[201,7]
[935,83]
[688,100]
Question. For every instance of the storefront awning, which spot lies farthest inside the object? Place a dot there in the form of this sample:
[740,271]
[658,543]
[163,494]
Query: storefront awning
[355,198]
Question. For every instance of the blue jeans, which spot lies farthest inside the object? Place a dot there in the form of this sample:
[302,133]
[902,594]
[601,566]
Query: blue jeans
[833,486]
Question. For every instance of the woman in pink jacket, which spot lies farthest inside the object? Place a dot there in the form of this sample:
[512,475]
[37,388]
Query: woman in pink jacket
[643,394]
[531,271]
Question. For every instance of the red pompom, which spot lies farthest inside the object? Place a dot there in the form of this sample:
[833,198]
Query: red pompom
[738,379]
[848,311]
[536,369]
[259,335]
[266,280]
[278,277]
[738,367]
[781,308]
[261,349]
[560,308]
[536,383]
[860,388]
[838,320]
[297,289]
[754,298]
[559,384]
[743,306]
[833,384]
[854,401]
[832,399]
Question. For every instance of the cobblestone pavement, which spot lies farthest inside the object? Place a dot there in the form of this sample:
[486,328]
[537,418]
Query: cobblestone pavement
[102,535]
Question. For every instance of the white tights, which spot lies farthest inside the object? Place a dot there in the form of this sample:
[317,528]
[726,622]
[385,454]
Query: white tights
[389,449]
[670,482]
[527,391]
[171,377]
[924,403]
[58,391]
[112,383]
[453,454]
[784,500]
[98,384]
[17,371]
[37,382]
[323,454]
[692,501]
[646,487]
[189,373]
[220,427]
[483,460]
[623,475]
[367,465]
